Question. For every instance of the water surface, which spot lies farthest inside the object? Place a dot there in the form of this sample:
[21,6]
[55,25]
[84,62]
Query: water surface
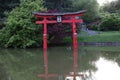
[96,63]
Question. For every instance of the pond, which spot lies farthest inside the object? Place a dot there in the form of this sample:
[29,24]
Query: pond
[91,63]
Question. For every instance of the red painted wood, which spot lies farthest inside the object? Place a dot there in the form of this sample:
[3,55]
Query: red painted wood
[63,21]
[54,16]
[45,35]
[79,13]
[75,43]
[40,16]
[70,21]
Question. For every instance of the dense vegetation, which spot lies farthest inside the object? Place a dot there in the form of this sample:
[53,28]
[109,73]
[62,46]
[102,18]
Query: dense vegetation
[5,7]
[110,13]
[92,9]
[109,36]
[110,22]
[19,28]
[71,5]
[58,31]
[21,31]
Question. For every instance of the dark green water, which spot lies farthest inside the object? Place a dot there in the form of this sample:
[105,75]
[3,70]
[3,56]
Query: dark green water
[97,63]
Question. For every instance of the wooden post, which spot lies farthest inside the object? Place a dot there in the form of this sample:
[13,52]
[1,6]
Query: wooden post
[75,46]
[45,35]
[75,43]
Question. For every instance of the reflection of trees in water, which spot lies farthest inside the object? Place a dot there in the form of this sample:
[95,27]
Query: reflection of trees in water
[86,62]
[62,61]
[22,64]
[112,55]
[3,73]
[25,64]
[87,59]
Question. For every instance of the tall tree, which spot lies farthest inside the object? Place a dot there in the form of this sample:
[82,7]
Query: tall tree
[90,5]
[76,5]
[112,7]
[6,6]
[59,31]
[59,5]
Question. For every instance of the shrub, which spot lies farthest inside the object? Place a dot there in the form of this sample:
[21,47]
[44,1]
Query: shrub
[21,30]
[110,22]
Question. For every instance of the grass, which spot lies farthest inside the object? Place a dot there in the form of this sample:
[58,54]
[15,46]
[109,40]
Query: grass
[103,48]
[112,36]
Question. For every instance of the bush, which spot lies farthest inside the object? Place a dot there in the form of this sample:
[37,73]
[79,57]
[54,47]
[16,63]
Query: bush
[21,30]
[110,22]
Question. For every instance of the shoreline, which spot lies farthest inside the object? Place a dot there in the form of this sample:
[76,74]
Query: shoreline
[99,43]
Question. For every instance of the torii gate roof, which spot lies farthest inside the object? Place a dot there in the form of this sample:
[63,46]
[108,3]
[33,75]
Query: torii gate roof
[59,14]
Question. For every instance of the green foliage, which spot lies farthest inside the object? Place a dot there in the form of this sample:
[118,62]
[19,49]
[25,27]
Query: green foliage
[112,36]
[71,5]
[112,7]
[60,5]
[110,22]
[94,27]
[90,5]
[20,64]
[7,5]
[21,30]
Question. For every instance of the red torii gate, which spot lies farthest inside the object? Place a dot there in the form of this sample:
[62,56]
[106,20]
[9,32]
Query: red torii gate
[48,19]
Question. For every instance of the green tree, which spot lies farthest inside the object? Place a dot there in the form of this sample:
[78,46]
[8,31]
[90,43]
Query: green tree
[110,13]
[75,5]
[57,32]
[6,6]
[59,5]
[90,5]
[110,22]
[60,31]
[112,7]
[20,30]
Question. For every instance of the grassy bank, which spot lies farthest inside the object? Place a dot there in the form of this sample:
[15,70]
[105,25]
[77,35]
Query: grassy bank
[102,48]
[112,36]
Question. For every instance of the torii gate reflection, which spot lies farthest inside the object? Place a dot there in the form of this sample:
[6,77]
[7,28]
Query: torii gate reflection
[46,75]
[59,19]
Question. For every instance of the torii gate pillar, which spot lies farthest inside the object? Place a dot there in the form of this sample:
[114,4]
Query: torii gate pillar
[45,35]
